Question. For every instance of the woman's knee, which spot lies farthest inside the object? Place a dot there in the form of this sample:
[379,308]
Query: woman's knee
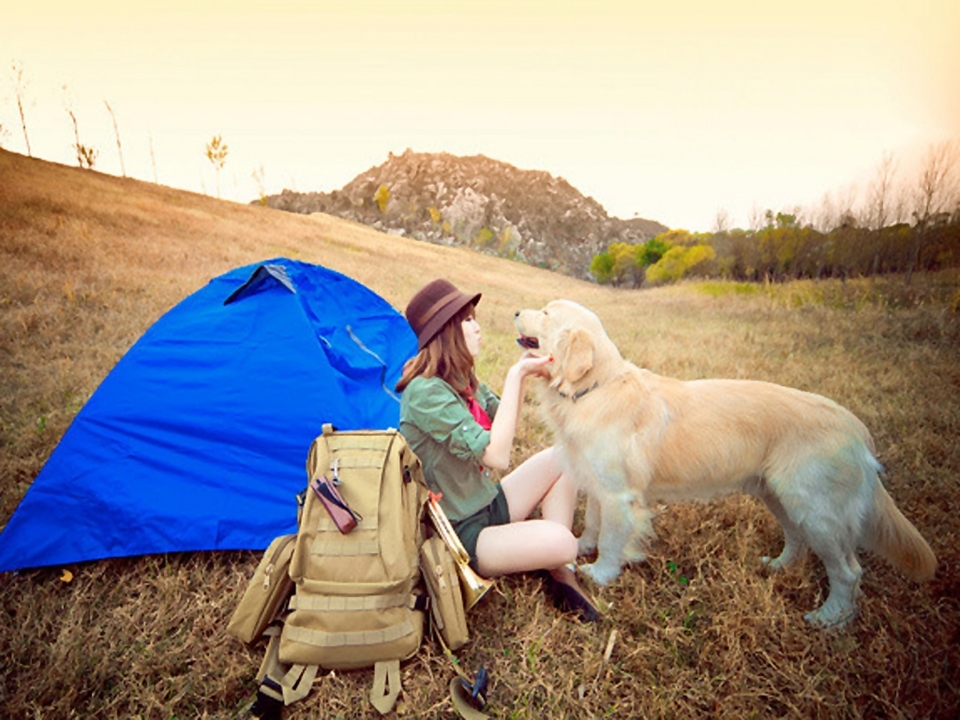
[526,545]
[564,543]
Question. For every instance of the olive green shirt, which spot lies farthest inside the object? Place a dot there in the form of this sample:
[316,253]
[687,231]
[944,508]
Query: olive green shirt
[450,443]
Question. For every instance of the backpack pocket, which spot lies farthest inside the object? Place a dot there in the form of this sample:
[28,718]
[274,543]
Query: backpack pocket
[266,593]
[352,626]
[446,598]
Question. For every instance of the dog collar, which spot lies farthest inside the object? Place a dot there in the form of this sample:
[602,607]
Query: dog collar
[579,393]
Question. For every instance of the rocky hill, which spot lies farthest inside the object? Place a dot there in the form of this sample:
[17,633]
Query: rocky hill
[526,215]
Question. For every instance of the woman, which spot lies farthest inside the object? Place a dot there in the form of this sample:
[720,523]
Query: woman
[460,430]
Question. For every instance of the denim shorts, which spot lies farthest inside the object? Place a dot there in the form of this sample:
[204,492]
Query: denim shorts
[468,529]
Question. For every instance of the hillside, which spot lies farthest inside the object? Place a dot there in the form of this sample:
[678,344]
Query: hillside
[700,629]
[525,215]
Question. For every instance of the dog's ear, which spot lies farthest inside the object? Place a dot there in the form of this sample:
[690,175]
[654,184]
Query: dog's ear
[576,352]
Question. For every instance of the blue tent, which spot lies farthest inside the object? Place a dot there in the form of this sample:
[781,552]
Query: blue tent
[197,440]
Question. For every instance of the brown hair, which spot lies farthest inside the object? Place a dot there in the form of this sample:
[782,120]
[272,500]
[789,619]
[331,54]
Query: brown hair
[445,356]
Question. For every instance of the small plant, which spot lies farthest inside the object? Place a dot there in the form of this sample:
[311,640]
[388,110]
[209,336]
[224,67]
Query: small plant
[382,197]
[258,178]
[86,156]
[484,238]
[217,154]
[675,572]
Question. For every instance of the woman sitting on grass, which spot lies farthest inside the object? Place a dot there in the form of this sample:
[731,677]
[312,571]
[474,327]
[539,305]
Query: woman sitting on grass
[460,430]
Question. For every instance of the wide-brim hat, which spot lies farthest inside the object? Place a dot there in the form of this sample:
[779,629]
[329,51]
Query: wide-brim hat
[433,307]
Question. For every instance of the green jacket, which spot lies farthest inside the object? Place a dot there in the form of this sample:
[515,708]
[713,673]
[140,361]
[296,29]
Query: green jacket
[439,428]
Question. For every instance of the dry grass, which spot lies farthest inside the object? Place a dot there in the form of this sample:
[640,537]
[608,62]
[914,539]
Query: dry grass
[88,262]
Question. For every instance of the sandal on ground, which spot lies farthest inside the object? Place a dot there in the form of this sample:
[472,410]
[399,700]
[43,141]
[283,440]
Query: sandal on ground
[570,598]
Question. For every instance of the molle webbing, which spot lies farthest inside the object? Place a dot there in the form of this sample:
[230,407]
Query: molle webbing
[336,548]
[324,639]
[355,603]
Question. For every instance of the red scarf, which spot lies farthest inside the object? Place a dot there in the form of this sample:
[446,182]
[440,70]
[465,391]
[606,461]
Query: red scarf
[479,414]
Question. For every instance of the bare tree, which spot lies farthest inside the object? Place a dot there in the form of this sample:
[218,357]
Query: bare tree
[722,222]
[116,132]
[880,200]
[217,154]
[153,159]
[936,190]
[19,87]
[258,176]
[826,216]
[937,184]
[880,206]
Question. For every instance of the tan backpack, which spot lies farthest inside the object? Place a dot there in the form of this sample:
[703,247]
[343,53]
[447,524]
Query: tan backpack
[358,599]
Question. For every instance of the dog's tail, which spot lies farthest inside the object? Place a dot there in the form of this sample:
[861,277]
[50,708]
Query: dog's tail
[896,540]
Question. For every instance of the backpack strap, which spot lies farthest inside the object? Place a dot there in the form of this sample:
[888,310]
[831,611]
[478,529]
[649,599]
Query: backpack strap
[280,684]
[386,685]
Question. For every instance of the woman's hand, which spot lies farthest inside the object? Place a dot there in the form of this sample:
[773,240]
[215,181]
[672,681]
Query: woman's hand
[530,364]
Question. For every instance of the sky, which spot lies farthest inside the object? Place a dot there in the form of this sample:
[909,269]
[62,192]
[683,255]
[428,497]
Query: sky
[674,111]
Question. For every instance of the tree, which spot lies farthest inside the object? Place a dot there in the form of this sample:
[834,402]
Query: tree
[879,205]
[625,267]
[880,193]
[601,266]
[679,261]
[19,89]
[651,251]
[623,262]
[936,190]
[722,222]
[217,155]
[116,132]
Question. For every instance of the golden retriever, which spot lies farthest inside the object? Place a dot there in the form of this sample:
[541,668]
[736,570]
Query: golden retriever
[631,438]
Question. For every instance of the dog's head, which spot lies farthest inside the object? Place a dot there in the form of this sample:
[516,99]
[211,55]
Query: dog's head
[573,336]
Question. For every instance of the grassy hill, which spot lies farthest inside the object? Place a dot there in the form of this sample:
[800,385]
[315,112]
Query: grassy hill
[88,262]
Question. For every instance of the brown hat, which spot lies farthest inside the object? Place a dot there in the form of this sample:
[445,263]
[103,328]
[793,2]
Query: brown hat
[433,306]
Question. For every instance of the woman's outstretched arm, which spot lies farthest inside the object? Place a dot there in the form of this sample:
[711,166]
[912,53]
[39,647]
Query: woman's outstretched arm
[504,428]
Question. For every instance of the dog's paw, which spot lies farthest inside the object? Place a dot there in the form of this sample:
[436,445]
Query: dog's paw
[601,574]
[772,563]
[634,552]
[784,561]
[830,618]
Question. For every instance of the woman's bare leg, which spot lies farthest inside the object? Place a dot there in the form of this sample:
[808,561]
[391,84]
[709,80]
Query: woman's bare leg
[541,481]
[524,545]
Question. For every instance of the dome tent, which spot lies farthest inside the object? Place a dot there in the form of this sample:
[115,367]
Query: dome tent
[197,439]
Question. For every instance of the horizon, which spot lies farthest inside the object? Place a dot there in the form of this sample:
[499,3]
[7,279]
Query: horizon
[669,114]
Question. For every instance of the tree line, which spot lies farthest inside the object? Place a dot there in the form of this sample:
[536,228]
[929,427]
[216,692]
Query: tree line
[897,230]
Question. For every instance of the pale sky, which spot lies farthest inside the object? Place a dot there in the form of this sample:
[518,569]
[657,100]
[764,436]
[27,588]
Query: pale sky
[671,110]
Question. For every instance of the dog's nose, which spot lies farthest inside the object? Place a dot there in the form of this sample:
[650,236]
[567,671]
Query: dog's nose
[516,314]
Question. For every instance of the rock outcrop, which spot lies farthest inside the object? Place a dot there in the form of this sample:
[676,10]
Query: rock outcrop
[526,215]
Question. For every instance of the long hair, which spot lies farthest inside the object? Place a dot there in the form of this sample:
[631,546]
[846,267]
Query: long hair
[446,356]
